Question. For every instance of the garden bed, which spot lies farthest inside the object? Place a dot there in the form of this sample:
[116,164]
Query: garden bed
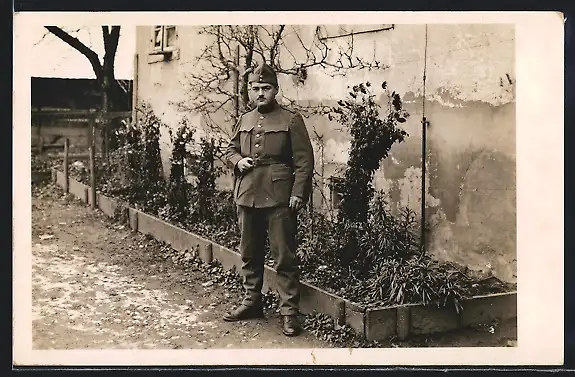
[375,323]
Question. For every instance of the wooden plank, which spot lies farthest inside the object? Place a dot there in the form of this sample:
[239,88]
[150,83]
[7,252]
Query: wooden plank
[78,189]
[431,319]
[380,323]
[60,179]
[229,259]
[484,309]
[107,205]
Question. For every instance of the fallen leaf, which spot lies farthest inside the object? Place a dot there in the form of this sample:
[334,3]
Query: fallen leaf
[46,236]
[75,248]
[207,283]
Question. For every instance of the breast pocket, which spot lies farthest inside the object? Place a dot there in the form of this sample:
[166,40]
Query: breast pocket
[275,142]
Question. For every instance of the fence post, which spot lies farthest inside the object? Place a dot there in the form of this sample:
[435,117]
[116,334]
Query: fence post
[66,166]
[93,166]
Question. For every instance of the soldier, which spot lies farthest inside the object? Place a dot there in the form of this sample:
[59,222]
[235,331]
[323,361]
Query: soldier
[272,159]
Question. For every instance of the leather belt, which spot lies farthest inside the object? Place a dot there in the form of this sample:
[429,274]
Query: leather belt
[263,161]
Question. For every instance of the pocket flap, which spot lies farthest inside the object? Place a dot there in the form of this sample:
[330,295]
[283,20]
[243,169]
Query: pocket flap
[246,127]
[281,172]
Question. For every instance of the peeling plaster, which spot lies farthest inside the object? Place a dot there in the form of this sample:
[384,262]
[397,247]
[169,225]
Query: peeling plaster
[336,152]
[410,188]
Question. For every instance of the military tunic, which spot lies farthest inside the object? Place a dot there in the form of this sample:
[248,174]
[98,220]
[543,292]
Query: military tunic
[280,146]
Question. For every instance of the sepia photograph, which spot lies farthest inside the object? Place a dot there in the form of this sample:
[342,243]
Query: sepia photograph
[281,186]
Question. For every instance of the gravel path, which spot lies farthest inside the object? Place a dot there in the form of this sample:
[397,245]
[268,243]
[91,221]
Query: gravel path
[97,285]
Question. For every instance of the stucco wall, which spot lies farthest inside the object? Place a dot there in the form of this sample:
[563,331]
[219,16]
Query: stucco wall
[470,104]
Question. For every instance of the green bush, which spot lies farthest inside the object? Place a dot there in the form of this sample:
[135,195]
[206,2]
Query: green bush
[135,170]
[179,190]
[372,138]
[206,172]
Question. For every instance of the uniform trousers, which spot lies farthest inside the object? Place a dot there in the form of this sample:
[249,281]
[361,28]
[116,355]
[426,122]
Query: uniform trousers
[280,223]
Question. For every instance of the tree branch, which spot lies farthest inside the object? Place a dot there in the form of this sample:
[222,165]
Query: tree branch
[273,50]
[80,47]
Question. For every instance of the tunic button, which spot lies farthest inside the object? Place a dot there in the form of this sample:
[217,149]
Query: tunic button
[257,145]
[259,125]
[258,135]
[262,117]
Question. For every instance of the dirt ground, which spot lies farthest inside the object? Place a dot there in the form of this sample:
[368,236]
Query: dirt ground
[97,285]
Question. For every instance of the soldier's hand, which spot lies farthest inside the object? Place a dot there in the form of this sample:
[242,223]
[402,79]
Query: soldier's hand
[295,203]
[245,164]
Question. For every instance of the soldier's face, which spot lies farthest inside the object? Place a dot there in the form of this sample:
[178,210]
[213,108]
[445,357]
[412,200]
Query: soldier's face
[262,94]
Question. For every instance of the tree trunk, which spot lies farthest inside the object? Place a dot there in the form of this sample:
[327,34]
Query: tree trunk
[104,71]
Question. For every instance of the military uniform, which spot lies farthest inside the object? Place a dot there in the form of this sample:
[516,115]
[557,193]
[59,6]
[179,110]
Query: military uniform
[279,144]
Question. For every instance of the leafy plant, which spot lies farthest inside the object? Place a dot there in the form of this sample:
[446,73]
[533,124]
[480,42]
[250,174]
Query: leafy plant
[179,189]
[372,139]
[206,173]
[135,171]
[417,279]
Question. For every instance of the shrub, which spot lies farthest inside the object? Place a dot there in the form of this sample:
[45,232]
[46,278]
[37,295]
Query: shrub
[179,189]
[372,139]
[206,173]
[135,171]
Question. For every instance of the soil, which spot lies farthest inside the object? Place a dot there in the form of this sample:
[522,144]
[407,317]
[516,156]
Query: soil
[98,285]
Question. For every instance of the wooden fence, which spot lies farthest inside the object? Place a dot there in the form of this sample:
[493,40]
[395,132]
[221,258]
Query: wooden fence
[83,128]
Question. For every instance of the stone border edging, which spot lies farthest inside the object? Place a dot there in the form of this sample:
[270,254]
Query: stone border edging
[373,323]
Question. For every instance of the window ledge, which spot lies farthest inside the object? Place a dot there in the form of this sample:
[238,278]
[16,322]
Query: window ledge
[163,55]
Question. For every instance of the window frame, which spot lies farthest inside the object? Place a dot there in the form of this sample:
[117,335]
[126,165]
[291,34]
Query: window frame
[163,48]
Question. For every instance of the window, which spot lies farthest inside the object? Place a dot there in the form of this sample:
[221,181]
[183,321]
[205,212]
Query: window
[164,39]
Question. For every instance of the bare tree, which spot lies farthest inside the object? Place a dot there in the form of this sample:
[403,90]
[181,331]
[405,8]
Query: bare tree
[113,94]
[219,81]
[104,68]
